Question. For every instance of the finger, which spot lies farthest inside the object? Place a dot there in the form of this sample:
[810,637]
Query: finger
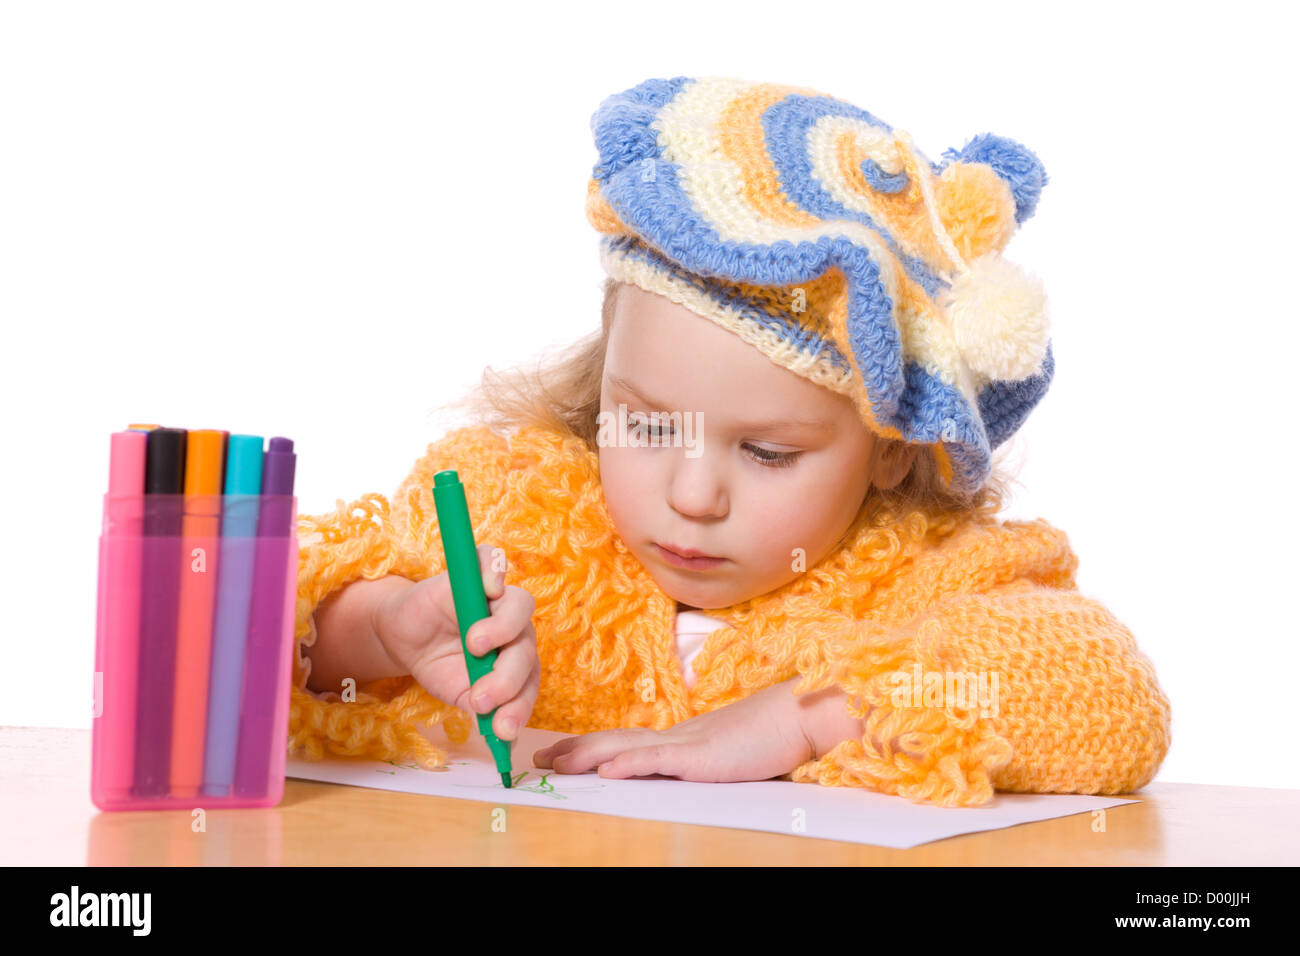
[505,624]
[518,709]
[555,750]
[507,677]
[509,673]
[600,747]
[566,746]
[643,761]
[493,563]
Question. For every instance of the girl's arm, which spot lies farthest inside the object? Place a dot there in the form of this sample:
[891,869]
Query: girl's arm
[1022,688]
[346,643]
[824,718]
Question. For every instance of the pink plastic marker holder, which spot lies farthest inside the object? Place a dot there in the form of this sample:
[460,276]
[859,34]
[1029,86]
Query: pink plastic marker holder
[149,752]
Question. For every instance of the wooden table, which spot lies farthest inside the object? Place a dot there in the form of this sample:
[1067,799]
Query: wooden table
[50,821]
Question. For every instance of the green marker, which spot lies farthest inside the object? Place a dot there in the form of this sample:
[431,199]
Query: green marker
[467,593]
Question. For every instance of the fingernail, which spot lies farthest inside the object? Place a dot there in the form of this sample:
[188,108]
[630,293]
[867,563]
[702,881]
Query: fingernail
[509,726]
[482,703]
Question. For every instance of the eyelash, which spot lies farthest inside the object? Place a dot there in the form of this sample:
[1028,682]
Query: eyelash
[779,459]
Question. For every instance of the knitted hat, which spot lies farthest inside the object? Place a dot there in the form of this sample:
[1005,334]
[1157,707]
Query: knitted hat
[821,236]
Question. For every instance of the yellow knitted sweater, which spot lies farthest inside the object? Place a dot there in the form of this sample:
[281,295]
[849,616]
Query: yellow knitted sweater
[1078,710]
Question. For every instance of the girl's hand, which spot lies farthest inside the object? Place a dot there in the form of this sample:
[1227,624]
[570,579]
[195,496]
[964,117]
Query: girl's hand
[417,627]
[757,738]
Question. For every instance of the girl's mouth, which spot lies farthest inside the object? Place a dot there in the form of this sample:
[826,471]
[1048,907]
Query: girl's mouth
[690,564]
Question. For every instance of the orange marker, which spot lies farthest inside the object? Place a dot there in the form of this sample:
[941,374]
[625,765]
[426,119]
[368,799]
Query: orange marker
[201,544]
[142,428]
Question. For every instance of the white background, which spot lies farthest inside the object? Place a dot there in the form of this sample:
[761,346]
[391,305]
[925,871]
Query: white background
[340,213]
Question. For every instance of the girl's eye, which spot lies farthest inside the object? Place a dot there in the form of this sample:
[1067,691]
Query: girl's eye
[773,459]
[764,456]
[645,427]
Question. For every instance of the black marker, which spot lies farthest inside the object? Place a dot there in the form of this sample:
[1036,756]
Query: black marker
[164,483]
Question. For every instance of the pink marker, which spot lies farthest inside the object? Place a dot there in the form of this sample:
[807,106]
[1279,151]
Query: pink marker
[117,645]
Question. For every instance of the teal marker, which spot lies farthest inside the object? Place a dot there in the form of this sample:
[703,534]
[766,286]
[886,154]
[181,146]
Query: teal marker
[467,594]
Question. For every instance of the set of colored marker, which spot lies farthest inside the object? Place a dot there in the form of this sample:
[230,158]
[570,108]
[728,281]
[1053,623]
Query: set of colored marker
[198,561]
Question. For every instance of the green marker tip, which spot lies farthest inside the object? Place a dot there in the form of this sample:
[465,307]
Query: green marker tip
[505,780]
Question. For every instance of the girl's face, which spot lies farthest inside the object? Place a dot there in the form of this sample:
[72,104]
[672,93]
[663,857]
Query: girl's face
[747,461]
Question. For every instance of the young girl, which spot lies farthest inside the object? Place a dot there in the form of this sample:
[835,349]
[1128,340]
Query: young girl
[748,529]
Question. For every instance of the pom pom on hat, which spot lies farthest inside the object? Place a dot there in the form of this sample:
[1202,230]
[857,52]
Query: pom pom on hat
[997,313]
[1016,164]
[999,318]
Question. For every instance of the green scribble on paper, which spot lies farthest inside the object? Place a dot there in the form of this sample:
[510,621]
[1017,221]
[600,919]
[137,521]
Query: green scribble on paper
[543,786]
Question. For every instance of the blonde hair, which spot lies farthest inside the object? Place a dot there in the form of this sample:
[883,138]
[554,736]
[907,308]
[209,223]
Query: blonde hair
[563,394]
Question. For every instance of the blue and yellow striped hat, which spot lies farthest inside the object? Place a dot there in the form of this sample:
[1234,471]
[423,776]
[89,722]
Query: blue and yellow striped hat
[825,239]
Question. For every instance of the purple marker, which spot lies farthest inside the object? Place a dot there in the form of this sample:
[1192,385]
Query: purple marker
[264,715]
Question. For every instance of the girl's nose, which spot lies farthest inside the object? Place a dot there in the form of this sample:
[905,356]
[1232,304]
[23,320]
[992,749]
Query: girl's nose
[697,487]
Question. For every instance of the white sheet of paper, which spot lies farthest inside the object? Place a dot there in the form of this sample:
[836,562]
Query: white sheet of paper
[851,814]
